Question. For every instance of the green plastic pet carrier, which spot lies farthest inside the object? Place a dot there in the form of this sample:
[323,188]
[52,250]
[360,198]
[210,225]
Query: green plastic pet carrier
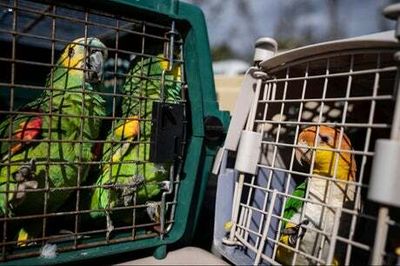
[108,126]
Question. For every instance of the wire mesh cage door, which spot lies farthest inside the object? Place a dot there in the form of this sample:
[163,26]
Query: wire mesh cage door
[319,114]
[77,126]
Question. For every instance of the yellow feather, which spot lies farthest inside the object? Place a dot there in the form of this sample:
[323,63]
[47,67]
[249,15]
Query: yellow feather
[228,225]
[164,64]
[176,70]
[129,129]
[325,164]
[283,254]
[76,60]
[22,237]
[120,152]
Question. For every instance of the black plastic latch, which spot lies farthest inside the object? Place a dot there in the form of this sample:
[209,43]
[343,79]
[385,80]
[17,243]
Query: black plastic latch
[213,128]
[166,131]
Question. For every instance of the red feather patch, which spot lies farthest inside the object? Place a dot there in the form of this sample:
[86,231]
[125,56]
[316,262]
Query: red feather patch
[28,130]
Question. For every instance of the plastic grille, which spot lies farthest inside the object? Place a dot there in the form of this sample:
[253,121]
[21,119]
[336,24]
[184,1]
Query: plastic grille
[352,92]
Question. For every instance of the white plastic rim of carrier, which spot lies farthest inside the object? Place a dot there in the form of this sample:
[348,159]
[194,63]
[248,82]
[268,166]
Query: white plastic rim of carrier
[240,114]
[241,110]
[219,158]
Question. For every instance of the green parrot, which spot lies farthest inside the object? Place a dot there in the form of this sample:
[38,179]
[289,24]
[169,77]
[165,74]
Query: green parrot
[296,228]
[46,149]
[125,169]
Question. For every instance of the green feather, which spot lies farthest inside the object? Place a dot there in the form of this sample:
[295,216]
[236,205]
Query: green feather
[142,88]
[294,205]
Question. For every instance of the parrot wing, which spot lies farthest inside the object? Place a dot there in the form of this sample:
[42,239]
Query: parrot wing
[293,205]
[291,232]
[24,128]
[112,173]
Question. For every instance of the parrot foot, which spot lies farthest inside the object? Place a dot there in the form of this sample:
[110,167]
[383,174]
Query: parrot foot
[110,226]
[24,178]
[153,210]
[21,193]
[296,232]
[128,191]
[165,185]
[137,181]
[159,168]
[26,172]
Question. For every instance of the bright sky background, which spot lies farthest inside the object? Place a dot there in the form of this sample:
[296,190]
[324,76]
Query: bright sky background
[238,23]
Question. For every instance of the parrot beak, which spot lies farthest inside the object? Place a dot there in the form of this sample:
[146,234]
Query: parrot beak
[95,64]
[303,154]
[299,156]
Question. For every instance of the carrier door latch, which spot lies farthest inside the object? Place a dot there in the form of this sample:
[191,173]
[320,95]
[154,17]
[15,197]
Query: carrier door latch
[166,132]
[167,117]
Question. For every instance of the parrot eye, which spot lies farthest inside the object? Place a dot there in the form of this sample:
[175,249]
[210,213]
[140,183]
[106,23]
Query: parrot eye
[324,138]
[93,51]
[71,52]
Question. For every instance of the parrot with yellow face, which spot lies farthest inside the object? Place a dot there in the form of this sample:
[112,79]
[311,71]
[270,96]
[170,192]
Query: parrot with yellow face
[339,166]
[46,148]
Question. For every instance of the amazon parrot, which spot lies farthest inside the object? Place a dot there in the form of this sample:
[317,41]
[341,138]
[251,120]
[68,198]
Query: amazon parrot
[340,166]
[48,150]
[126,169]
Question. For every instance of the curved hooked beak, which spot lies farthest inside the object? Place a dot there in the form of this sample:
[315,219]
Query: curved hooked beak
[95,64]
[303,154]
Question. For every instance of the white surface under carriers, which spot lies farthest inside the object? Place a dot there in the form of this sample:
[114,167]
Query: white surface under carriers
[183,256]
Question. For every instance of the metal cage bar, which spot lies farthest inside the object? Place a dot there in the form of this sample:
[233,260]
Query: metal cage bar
[129,41]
